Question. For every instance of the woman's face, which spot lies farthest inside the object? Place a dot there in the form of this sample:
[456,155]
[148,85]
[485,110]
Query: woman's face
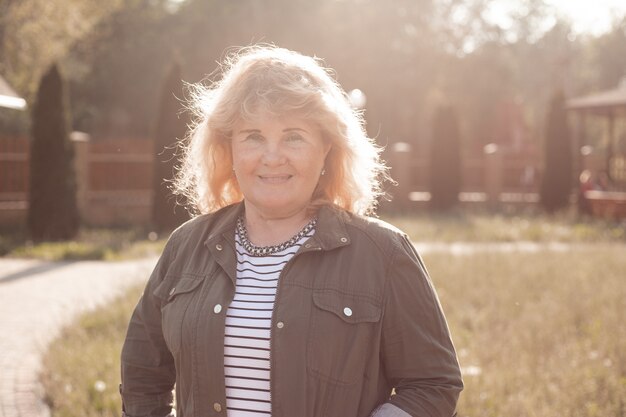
[278,163]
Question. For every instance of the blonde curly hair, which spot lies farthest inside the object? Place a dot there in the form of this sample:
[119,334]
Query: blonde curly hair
[267,79]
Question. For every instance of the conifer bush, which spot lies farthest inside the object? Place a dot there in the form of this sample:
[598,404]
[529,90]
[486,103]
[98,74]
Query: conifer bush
[556,184]
[52,211]
[445,163]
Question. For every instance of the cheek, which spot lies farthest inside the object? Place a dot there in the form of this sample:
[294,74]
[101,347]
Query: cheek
[319,158]
[312,167]
[241,159]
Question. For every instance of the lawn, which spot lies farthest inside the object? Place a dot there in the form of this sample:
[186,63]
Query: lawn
[90,244]
[485,226]
[81,368]
[537,334]
[422,226]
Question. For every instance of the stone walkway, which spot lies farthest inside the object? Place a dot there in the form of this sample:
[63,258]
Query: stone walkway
[36,299]
[468,248]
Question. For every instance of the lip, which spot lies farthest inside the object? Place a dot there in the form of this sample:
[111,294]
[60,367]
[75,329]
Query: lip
[275,178]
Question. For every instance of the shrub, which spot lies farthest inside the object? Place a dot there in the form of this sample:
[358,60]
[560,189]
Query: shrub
[445,164]
[52,210]
[556,183]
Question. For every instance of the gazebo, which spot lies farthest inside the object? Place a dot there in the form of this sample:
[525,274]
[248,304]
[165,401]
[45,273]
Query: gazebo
[609,105]
[9,98]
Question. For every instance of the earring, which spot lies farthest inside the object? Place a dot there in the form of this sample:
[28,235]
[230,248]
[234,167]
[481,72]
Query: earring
[323,171]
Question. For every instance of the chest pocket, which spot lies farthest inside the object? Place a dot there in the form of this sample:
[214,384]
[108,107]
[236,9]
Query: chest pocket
[176,295]
[343,330]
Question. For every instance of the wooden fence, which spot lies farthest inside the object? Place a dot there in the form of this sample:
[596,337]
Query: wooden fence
[14,153]
[119,187]
[115,178]
[497,176]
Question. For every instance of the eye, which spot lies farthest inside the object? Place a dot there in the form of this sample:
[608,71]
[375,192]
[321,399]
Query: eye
[294,137]
[254,137]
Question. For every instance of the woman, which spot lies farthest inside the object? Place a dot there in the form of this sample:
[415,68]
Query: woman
[282,298]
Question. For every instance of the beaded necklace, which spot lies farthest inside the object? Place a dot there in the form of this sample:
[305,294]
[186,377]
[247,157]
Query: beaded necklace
[254,250]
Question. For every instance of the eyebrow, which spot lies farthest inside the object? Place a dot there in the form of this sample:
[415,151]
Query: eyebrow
[288,129]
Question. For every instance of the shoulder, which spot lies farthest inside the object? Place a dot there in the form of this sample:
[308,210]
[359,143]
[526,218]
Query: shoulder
[391,241]
[367,235]
[198,229]
[374,226]
[379,232]
[405,266]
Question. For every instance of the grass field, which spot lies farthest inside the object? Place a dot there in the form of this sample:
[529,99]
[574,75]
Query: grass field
[90,244]
[81,369]
[422,226]
[483,226]
[537,334]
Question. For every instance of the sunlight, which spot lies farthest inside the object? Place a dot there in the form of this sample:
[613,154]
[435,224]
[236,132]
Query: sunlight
[357,98]
[585,16]
[172,6]
[594,17]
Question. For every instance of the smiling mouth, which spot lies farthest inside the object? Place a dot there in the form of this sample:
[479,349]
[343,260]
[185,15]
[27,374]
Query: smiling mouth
[275,179]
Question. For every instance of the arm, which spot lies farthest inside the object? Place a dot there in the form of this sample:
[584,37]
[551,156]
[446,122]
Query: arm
[418,354]
[148,373]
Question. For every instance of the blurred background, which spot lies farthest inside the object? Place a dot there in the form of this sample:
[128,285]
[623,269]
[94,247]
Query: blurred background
[488,71]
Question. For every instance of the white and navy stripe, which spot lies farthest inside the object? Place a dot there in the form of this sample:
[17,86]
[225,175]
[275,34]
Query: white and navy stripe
[247,333]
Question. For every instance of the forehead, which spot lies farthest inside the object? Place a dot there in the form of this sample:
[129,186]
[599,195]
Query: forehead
[266,120]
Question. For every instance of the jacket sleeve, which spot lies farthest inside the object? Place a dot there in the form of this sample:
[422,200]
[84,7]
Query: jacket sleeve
[148,373]
[417,352]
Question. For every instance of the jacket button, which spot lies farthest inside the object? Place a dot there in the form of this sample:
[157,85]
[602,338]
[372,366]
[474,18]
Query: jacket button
[217,309]
[343,240]
[347,311]
[173,290]
[280,324]
[218,247]
[217,407]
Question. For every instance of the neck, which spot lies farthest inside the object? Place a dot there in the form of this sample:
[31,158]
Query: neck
[268,230]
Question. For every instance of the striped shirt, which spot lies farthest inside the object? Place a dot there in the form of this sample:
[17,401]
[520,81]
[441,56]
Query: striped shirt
[247,332]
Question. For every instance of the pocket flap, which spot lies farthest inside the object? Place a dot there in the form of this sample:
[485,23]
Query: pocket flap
[351,308]
[168,290]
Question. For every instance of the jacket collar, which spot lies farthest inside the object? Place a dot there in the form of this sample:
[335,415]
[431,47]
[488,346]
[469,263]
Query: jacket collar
[330,232]
[225,224]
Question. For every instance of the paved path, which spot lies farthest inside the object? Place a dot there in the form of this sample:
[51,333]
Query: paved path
[468,248]
[36,299]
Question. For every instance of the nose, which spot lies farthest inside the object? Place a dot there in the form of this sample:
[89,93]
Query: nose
[273,155]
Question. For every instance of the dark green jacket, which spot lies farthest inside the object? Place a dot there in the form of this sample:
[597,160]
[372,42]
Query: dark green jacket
[323,362]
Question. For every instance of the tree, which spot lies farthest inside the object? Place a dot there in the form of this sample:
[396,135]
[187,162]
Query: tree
[445,162]
[171,125]
[52,210]
[36,33]
[608,57]
[114,69]
[556,184]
